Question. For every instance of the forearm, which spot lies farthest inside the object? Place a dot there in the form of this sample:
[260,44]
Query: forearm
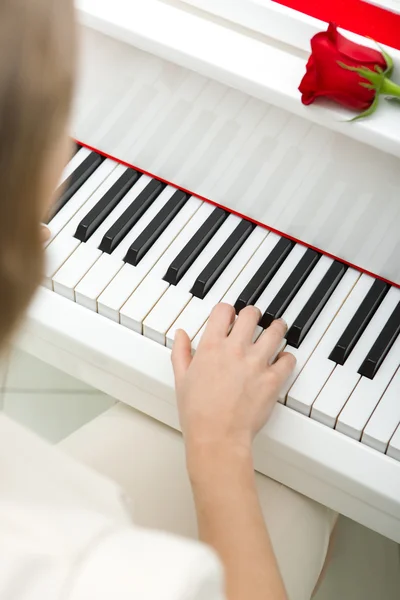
[230,520]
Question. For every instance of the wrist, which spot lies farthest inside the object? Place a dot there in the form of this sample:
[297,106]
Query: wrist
[217,461]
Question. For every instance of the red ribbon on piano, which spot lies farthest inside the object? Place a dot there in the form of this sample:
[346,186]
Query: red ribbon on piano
[357,16]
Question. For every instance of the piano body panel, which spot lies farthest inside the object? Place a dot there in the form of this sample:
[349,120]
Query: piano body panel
[302,454]
[245,143]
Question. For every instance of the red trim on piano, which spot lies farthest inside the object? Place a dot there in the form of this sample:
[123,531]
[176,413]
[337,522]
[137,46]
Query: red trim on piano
[357,16]
[234,212]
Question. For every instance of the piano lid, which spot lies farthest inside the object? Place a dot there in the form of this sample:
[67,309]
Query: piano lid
[267,67]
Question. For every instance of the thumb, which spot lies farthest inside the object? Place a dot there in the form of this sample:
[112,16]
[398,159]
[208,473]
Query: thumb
[181,355]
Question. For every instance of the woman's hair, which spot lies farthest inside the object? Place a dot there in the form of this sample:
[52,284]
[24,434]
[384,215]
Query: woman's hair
[37,64]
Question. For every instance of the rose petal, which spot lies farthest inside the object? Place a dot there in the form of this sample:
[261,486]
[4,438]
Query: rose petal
[339,97]
[329,76]
[357,53]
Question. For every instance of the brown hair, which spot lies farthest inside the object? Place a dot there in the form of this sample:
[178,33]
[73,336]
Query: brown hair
[36,80]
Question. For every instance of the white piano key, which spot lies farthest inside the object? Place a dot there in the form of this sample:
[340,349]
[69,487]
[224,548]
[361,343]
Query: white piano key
[157,323]
[191,319]
[251,269]
[86,192]
[85,256]
[394,445]
[163,315]
[185,234]
[171,242]
[121,287]
[56,257]
[328,313]
[198,336]
[215,243]
[385,418]
[244,277]
[105,269]
[297,304]
[316,372]
[280,277]
[340,385]
[134,312]
[74,163]
[60,250]
[307,289]
[96,280]
[197,311]
[366,395]
[74,268]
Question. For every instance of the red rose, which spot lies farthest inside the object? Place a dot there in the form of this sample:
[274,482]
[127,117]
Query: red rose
[325,77]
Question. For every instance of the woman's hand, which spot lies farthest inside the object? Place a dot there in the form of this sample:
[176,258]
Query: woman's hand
[225,395]
[228,390]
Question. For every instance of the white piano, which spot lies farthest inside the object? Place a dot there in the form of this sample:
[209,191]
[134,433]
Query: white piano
[198,100]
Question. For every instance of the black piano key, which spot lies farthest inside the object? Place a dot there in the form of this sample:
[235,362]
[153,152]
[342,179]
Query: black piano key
[381,347]
[103,208]
[191,251]
[265,273]
[359,322]
[315,304]
[222,258]
[290,288]
[77,179]
[158,225]
[131,216]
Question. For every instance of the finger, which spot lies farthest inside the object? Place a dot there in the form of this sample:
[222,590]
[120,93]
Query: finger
[284,366]
[219,323]
[44,233]
[278,352]
[181,355]
[269,343]
[245,325]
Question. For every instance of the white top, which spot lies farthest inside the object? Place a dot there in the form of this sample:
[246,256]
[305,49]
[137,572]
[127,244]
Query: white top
[66,534]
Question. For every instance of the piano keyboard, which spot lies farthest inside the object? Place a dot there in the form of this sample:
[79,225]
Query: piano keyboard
[154,258]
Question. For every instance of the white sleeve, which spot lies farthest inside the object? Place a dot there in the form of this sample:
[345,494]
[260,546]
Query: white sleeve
[140,564]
